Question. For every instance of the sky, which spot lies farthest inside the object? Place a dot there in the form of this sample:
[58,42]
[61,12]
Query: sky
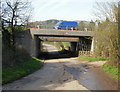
[63,9]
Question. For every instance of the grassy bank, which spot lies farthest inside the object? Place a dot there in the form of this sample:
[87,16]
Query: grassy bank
[90,59]
[66,45]
[59,44]
[112,70]
[12,73]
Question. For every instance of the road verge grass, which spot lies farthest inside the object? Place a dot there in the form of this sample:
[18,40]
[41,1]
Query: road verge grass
[112,70]
[90,59]
[10,74]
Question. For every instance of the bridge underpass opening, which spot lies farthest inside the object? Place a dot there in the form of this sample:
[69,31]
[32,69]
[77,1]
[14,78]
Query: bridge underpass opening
[63,44]
[76,45]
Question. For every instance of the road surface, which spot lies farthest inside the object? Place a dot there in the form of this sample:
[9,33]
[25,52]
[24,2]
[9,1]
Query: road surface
[63,74]
[52,76]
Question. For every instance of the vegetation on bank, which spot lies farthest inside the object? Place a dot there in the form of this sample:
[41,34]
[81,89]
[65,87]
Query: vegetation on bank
[107,33]
[66,45]
[12,73]
[90,59]
[16,61]
[107,36]
[112,70]
[60,45]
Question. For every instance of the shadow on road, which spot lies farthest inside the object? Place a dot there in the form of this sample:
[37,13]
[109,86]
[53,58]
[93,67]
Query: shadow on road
[57,55]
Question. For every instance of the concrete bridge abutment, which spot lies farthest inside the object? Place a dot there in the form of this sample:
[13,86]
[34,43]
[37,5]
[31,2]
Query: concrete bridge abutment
[36,46]
[74,48]
[29,41]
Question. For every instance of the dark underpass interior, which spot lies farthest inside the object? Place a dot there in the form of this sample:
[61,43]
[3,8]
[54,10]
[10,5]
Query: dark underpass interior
[48,52]
[57,55]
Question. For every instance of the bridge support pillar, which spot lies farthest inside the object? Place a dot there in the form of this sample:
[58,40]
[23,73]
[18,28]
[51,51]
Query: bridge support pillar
[92,45]
[35,46]
[73,46]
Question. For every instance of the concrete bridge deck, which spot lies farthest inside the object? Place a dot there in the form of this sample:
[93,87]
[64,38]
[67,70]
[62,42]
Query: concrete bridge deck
[59,39]
[61,33]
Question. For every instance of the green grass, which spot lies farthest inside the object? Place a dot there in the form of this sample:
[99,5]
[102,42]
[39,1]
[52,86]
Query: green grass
[112,70]
[90,59]
[66,44]
[12,73]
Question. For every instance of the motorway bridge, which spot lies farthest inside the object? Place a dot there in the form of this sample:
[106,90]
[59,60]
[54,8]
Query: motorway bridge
[31,39]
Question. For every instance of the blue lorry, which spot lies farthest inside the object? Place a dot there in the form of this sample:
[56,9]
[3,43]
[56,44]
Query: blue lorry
[66,25]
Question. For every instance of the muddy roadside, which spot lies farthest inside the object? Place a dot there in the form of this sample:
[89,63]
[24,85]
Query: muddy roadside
[93,77]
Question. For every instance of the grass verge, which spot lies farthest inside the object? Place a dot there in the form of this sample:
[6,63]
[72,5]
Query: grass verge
[12,73]
[66,45]
[90,59]
[112,70]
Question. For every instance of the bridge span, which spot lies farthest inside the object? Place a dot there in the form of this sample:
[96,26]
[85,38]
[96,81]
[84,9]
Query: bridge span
[31,39]
[61,33]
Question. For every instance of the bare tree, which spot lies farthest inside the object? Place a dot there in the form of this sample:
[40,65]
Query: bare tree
[13,12]
[107,39]
[105,10]
[16,12]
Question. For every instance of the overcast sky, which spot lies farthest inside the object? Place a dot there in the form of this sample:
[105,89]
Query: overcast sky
[63,9]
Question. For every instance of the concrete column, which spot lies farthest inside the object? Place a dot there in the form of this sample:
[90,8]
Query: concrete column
[77,49]
[74,49]
[80,44]
[35,50]
[92,44]
[73,46]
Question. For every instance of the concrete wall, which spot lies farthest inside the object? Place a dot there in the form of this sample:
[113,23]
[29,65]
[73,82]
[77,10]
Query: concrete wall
[73,46]
[36,46]
[30,42]
[92,44]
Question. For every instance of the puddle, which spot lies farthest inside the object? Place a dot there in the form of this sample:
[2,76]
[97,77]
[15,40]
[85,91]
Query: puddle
[73,71]
[93,80]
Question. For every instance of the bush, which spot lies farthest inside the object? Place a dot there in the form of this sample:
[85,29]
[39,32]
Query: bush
[107,43]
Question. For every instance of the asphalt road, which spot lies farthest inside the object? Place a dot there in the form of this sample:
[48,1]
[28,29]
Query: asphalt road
[65,74]
[52,76]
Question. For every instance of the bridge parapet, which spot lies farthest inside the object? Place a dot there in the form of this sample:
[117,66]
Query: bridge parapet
[63,33]
[50,27]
